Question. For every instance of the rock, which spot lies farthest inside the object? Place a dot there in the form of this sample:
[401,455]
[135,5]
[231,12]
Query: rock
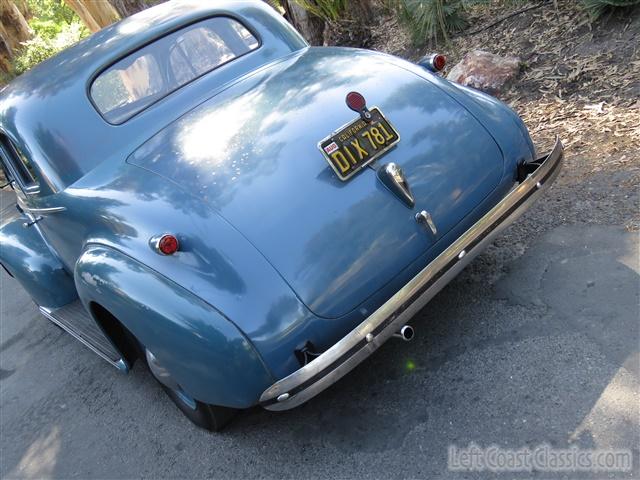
[485,71]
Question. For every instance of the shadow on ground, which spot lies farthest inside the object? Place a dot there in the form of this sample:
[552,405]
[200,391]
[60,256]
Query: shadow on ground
[549,354]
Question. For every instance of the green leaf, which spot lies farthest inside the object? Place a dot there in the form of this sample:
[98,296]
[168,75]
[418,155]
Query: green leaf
[598,7]
[433,19]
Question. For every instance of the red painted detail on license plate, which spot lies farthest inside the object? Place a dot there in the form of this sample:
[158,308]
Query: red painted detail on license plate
[332,147]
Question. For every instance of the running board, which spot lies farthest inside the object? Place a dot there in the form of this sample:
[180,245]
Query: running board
[75,320]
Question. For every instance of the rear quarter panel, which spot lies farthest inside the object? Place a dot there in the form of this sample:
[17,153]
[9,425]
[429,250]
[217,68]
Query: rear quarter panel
[204,351]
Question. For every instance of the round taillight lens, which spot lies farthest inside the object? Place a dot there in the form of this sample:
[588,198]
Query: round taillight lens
[168,244]
[439,61]
[355,101]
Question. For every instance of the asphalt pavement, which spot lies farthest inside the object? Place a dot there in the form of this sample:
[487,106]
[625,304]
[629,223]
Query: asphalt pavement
[536,342]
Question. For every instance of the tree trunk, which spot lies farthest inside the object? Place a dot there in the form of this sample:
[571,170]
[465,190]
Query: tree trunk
[352,27]
[95,14]
[14,30]
[6,52]
[23,6]
[310,26]
[15,26]
[126,8]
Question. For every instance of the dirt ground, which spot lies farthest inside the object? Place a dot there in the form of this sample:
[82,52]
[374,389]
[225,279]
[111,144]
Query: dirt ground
[580,80]
[541,349]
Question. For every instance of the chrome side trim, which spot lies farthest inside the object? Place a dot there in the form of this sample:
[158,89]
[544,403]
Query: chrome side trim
[120,364]
[37,211]
[365,339]
[45,211]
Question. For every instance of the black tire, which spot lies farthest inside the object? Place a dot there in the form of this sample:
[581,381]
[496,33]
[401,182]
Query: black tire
[209,417]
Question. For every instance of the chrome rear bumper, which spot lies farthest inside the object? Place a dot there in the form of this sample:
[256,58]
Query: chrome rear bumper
[365,339]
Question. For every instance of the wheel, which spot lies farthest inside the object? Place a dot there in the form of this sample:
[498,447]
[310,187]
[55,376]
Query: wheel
[209,417]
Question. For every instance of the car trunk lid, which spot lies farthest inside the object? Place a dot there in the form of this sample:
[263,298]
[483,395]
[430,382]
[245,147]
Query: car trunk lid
[252,153]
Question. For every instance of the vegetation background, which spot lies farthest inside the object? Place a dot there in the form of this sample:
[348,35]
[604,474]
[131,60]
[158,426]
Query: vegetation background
[33,30]
[579,59]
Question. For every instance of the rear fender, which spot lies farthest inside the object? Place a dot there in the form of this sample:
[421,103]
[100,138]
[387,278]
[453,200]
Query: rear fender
[503,123]
[26,255]
[506,127]
[205,353]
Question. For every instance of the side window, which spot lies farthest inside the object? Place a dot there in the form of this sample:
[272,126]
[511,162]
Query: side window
[5,173]
[20,165]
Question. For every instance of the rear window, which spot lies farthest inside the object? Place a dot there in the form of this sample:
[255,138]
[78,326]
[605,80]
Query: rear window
[151,73]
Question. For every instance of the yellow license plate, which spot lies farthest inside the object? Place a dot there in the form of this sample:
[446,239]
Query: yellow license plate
[358,143]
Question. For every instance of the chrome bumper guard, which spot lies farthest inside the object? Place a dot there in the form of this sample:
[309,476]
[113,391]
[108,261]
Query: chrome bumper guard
[365,339]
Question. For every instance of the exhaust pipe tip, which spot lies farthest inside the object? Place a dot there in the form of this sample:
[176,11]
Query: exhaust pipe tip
[406,333]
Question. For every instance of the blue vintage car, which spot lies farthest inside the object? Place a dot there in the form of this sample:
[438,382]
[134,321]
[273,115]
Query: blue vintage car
[251,217]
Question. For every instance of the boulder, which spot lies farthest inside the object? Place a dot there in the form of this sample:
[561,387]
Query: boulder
[485,71]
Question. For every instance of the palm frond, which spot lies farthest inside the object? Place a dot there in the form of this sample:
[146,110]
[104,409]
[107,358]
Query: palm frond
[597,7]
[330,10]
[433,19]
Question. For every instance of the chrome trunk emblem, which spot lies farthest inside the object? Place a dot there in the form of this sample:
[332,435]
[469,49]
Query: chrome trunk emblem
[392,176]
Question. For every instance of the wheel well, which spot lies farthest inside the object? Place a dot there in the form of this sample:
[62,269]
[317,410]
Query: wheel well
[121,337]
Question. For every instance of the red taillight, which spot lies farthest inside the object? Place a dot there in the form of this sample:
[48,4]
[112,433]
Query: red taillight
[168,244]
[439,61]
[434,62]
[356,102]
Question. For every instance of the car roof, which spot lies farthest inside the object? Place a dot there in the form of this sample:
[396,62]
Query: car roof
[47,114]
[118,39]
